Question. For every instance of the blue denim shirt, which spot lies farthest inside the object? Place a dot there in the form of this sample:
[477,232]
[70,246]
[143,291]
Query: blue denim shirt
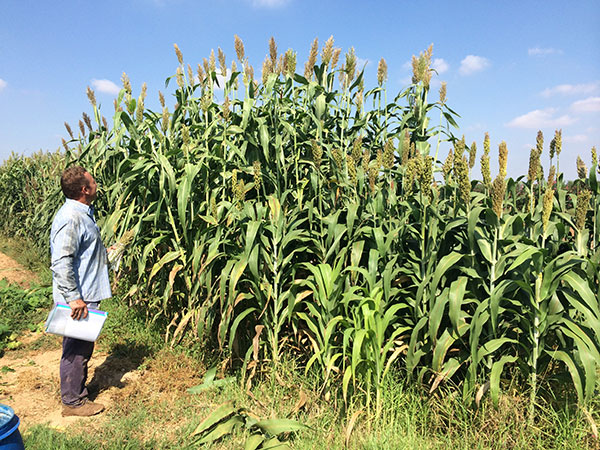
[79,260]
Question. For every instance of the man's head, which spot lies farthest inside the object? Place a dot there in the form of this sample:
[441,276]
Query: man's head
[78,184]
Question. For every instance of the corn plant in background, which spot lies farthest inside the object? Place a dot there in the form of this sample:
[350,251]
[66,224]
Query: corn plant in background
[307,214]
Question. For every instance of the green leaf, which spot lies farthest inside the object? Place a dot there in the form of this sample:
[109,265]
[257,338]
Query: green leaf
[275,427]
[495,375]
[222,412]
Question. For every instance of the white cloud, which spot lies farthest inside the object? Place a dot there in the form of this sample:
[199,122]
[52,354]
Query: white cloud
[3,84]
[575,139]
[538,51]
[361,63]
[541,118]
[440,65]
[269,3]
[572,89]
[105,86]
[472,64]
[591,104]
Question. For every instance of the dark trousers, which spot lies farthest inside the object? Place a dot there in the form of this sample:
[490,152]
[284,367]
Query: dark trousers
[74,370]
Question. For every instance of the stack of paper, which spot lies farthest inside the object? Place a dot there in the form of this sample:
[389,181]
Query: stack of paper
[60,322]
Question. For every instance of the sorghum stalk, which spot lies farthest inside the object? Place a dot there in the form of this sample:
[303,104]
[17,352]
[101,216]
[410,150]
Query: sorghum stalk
[443,90]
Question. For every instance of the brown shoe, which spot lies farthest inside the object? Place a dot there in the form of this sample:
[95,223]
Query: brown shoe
[86,409]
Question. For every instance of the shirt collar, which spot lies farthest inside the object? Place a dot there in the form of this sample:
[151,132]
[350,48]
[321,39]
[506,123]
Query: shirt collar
[89,210]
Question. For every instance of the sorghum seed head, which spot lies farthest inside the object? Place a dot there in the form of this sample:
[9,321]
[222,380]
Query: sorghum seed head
[486,144]
[502,158]
[225,108]
[190,75]
[410,174]
[290,63]
[140,109]
[388,154]
[267,69]
[82,128]
[212,63]
[185,135]
[583,203]
[312,59]
[379,159]
[317,153]
[382,72]
[239,48]
[552,147]
[126,83]
[68,127]
[558,138]
[206,67]
[273,52]
[372,178]
[472,154]
[594,157]
[179,75]
[534,165]
[498,190]
[222,62]
[421,67]
[105,123]
[257,175]
[366,159]
[87,121]
[547,203]
[350,64]
[356,148]
[459,147]
[161,99]
[551,176]
[539,142]
[485,171]
[335,58]
[443,89]
[426,177]
[581,169]
[64,144]
[91,96]
[178,53]
[165,120]
[351,164]
[327,52]
[461,168]
[338,157]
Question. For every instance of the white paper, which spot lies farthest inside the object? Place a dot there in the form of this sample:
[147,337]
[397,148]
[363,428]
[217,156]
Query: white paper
[88,329]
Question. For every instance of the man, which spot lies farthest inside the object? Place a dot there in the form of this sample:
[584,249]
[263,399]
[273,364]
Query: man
[79,278]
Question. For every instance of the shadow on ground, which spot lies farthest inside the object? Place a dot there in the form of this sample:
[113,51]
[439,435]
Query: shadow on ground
[123,358]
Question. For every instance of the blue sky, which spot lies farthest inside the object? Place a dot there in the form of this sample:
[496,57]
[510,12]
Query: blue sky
[512,67]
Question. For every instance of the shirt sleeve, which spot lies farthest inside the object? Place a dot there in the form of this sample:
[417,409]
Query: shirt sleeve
[65,247]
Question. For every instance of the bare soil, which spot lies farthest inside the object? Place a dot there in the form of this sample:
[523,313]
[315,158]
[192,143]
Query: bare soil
[13,272]
[29,382]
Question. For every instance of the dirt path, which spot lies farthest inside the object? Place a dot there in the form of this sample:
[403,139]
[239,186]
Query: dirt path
[15,273]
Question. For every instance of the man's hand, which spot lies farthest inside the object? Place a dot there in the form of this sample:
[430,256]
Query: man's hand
[78,309]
